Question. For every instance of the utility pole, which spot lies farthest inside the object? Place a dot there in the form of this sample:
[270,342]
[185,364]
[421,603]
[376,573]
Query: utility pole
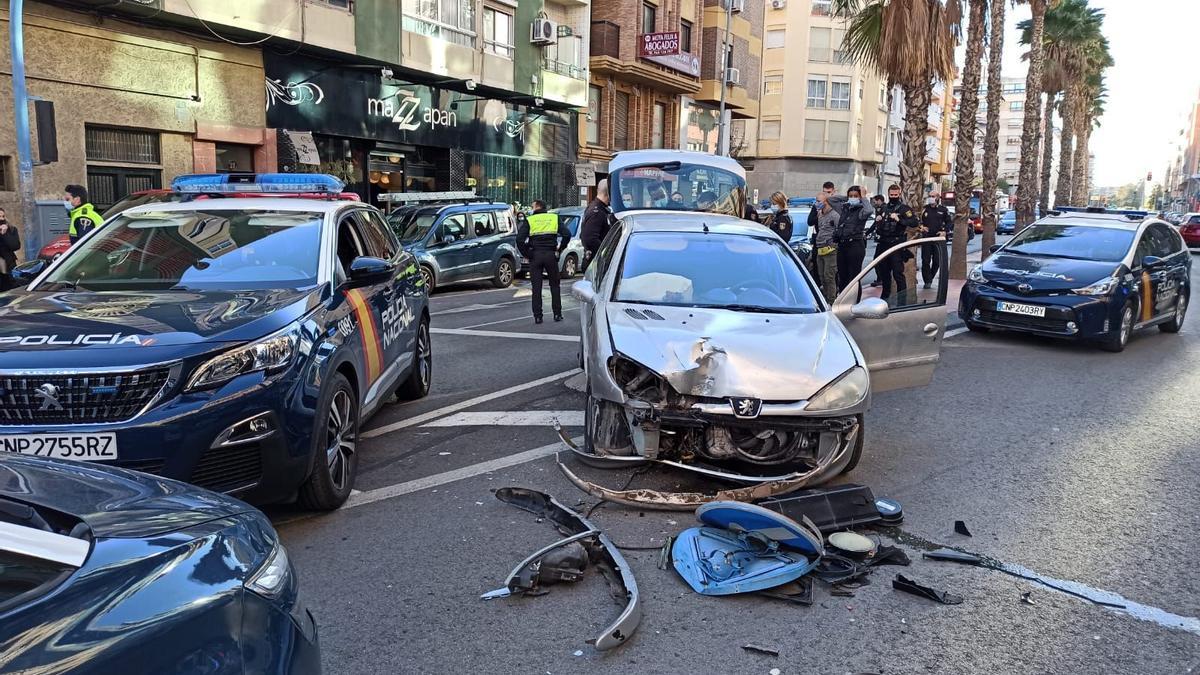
[16,38]
[723,125]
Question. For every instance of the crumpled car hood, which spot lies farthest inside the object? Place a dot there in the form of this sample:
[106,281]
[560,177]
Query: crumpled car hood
[721,353]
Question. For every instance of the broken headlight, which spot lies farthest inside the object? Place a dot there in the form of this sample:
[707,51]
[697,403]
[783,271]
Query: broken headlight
[847,390]
[976,275]
[636,380]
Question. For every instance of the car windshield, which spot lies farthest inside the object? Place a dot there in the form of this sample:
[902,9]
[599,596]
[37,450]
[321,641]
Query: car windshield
[140,199]
[230,249]
[1104,244]
[737,272]
[416,228]
[675,186]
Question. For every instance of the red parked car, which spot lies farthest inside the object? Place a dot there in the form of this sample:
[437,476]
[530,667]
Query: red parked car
[59,245]
[1189,227]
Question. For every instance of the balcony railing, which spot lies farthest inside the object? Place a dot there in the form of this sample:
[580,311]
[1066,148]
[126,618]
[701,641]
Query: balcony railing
[606,39]
[567,69]
[828,55]
[823,147]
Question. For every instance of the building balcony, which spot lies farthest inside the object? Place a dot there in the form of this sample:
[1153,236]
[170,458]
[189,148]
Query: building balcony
[828,55]
[826,148]
[606,39]
[606,59]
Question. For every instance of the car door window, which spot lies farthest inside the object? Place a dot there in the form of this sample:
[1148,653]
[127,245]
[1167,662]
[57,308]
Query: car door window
[1145,247]
[1163,242]
[350,244]
[377,235]
[504,222]
[482,225]
[454,229]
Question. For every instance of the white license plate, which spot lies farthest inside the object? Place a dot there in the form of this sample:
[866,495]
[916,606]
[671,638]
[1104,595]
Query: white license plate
[82,447]
[1017,308]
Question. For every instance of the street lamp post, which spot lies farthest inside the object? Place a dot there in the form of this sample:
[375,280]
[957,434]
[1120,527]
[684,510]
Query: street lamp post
[723,136]
[16,39]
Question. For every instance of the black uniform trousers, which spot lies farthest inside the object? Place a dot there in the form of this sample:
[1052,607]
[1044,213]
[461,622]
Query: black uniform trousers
[545,263]
[890,270]
[931,261]
[850,256]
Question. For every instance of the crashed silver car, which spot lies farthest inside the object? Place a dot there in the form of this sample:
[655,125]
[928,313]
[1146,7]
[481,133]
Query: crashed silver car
[708,347]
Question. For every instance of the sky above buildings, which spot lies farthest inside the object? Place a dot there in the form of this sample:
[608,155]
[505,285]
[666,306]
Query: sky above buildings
[1151,88]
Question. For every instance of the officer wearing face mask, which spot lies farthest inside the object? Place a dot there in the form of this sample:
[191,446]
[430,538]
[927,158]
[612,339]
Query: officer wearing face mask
[936,221]
[852,244]
[83,217]
[891,227]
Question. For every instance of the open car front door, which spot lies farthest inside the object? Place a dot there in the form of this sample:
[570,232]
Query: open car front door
[901,341]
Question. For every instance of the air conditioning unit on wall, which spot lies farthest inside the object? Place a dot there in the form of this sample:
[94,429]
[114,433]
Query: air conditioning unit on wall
[543,32]
[738,6]
[733,76]
[778,4]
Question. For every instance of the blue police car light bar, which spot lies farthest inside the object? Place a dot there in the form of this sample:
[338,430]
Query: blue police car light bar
[1100,209]
[232,183]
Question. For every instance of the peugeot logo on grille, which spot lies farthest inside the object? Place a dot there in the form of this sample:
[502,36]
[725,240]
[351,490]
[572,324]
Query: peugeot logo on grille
[48,393]
[746,407]
[1024,288]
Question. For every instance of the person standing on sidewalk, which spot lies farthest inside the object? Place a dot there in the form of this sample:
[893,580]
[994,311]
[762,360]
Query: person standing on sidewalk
[10,244]
[780,222]
[936,221]
[82,216]
[542,239]
[825,246]
[597,220]
[852,246]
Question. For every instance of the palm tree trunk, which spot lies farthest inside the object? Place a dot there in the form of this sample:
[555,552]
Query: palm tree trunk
[1062,191]
[1081,189]
[912,162]
[1047,150]
[991,135]
[1031,132]
[968,125]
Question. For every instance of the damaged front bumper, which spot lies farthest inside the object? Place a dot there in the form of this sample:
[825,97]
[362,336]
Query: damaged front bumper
[600,549]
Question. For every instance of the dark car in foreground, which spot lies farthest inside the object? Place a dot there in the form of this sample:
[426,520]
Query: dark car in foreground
[1085,275]
[104,570]
[236,344]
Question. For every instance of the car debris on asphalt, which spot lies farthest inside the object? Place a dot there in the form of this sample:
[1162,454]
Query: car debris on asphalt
[960,527]
[903,583]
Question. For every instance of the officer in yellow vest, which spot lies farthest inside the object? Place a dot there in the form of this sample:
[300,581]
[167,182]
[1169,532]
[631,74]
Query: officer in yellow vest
[83,216]
[542,238]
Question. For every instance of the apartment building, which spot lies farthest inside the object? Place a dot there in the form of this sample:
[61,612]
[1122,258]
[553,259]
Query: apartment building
[821,116]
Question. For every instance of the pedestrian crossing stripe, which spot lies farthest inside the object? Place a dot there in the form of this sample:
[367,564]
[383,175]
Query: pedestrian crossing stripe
[368,333]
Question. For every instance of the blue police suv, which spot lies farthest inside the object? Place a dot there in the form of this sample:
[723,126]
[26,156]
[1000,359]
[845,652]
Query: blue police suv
[235,344]
[1085,274]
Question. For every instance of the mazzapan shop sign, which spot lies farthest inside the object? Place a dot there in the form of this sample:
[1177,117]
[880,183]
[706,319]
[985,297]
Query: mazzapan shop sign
[316,96]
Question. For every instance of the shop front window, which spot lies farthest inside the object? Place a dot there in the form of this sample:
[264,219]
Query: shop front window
[233,158]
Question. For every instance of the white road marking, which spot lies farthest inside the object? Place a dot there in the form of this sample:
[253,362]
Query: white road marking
[461,405]
[495,333]
[509,418]
[475,307]
[379,494]
[515,318]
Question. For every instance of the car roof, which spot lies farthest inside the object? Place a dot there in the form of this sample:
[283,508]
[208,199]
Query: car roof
[628,158]
[569,211]
[684,221]
[258,204]
[1114,221]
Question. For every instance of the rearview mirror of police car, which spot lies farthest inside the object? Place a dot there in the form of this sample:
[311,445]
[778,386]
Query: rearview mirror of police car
[27,271]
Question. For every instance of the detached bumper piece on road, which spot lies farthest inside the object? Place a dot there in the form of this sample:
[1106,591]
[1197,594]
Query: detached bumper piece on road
[560,561]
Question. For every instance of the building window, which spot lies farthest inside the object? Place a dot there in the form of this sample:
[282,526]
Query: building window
[860,91]
[593,115]
[649,18]
[234,158]
[879,139]
[1013,88]
[347,5]
[449,20]
[839,95]
[1016,106]
[814,136]
[772,85]
[818,45]
[621,122]
[883,97]
[5,167]
[498,35]
[822,7]
[1010,158]
[658,127]
[770,130]
[110,144]
[109,184]
[776,38]
[816,92]
[685,36]
[1012,140]
[838,140]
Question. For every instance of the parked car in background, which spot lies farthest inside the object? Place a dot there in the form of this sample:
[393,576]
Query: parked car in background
[104,570]
[1007,224]
[1189,229]
[460,242]
[571,259]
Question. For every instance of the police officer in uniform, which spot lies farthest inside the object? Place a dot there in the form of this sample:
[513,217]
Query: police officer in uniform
[83,217]
[542,238]
[936,221]
[597,220]
[890,226]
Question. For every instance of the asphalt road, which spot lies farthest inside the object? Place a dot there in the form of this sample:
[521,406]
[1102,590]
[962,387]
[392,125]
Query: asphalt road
[1071,462]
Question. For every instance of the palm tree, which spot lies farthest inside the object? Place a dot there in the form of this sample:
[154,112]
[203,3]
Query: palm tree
[1095,94]
[1031,130]
[964,170]
[991,135]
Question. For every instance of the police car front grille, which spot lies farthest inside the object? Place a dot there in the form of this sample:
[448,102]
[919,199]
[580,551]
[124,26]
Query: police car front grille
[78,398]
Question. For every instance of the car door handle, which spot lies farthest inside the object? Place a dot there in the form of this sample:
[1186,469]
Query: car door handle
[931,329]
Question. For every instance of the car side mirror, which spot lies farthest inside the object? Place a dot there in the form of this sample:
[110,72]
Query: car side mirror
[27,271]
[994,247]
[584,291]
[368,271]
[1151,261]
[871,308]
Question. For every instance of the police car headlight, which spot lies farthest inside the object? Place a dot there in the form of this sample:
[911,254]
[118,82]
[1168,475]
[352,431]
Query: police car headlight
[849,389]
[274,577]
[272,353]
[1103,287]
[976,274]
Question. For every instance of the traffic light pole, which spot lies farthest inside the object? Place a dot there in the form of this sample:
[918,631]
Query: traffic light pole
[30,231]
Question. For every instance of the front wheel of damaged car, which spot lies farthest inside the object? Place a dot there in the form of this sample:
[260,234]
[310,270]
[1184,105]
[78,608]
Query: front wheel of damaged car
[856,452]
[335,464]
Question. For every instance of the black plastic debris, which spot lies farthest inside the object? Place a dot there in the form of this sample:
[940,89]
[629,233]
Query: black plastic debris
[799,592]
[889,555]
[1027,598]
[903,583]
[761,649]
[951,555]
[837,508]
[961,528]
